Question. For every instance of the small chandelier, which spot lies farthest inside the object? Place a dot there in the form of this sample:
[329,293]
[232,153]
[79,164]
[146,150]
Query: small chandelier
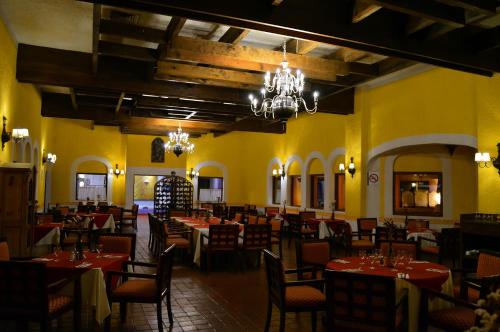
[179,142]
[288,90]
[117,172]
[192,174]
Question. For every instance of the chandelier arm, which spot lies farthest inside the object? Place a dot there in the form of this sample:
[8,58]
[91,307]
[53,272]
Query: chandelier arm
[312,110]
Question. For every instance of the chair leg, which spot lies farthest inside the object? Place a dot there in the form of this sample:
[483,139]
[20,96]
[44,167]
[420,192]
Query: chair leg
[158,314]
[282,320]
[269,313]
[123,311]
[313,321]
[169,309]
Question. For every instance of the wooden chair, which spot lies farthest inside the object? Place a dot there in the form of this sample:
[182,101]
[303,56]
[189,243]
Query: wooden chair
[446,245]
[271,211]
[290,296]
[124,243]
[117,213]
[221,238]
[477,284]
[131,216]
[409,246]
[417,225]
[277,234]
[312,254]
[341,237]
[25,295]
[298,229]
[382,235]
[70,232]
[261,220]
[256,238]
[178,213]
[234,210]
[145,288]
[45,218]
[219,210]
[239,217]
[252,219]
[358,302]
[458,318]
[363,238]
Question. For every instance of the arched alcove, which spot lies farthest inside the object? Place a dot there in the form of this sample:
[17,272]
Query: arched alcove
[294,183]
[212,174]
[27,153]
[91,165]
[315,184]
[274,182]
[338,183]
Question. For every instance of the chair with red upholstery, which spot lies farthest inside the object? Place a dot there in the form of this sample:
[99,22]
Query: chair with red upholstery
[446,246]
[144,288]
[363,239]
[220,239]
[299,229]
[4,249]
[410,247]
[417,225]
[277,234]
[261,220]
[477,284]
[359,302]
[123,243]
[256,238]
[271,211]
[25,295]
[252,219]
[291,296]
[130,216]
[313,254]
[117,213]
[381,234]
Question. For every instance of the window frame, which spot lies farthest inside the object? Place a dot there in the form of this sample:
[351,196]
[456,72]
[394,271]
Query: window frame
[275,180]
[337,176]
[314,179]
[211,177]
[292,187]
[77,184]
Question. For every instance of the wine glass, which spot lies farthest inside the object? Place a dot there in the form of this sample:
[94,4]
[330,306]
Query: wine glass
[56,250]
[99,248]
[362,255]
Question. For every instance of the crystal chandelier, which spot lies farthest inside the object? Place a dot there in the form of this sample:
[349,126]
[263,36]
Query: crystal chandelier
[288,90]
[178,142]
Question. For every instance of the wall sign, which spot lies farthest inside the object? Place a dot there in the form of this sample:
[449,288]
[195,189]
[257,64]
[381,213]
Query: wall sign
[372,177]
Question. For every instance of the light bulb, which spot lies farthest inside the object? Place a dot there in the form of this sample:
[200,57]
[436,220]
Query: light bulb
[341,167]
[262,91]
[315,94]
[250,96]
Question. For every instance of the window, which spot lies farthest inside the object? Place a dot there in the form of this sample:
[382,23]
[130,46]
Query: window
[295,190]
[210,189]
[91,186]
[276,189]
[339,192]
[317,191]
[418,194]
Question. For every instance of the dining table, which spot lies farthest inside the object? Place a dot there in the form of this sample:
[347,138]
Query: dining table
[92,270]
[201,226]
[412,275]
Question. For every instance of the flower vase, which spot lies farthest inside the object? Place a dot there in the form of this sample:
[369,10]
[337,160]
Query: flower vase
[388,258]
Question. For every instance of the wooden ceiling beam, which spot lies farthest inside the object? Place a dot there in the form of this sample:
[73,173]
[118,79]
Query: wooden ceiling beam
[233,35]
[127,51]
[488,7]
[96,20]
[200,106]
[73,99]
[325,23]
[362,9]
[132,31]
[486,41]
[174,27]
[428,9]
[119,103]
[415,24]
[300,46]
[248,58]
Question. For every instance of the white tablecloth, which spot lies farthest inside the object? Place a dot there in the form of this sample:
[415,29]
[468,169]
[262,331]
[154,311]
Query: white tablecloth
[109,224]
[427,235]
[51,238]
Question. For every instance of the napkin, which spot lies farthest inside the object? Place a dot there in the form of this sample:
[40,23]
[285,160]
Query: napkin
[84,265]
[437,270]
[352,270]
[111,256]
[42,259]
[342,261]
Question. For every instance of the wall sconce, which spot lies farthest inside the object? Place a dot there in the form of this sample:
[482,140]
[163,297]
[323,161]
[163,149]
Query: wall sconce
[192,174]
[146,181]
[280,172]
[342,168]
[483,159]
[5,134]
[20,134]
[351,169]
[49,158]
[117,172]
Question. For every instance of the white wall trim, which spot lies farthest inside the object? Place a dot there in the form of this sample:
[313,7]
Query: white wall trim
[74,168]
[285,184]
[225,177]
[306,187]
[149,171]
[269,179]
[455,139]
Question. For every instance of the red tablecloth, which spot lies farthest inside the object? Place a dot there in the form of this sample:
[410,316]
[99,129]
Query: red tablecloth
[421,274]
[100,219]
[199,223]
[60,267]
[39,231]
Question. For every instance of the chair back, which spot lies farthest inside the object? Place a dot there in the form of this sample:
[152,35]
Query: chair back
[295,223]
[219,210]
[409,246]
[261,220]
[62,210]
[45,218]
[306,215]
[275,278]
[488,263]
[250,207]
[366,227]
[117,213]
[417,225]
[23,290]
[4,249]
[312,252]
[123,243]
[381,234]
[164,270]
[257,237]
[449,242]
[82,208]
[223,237]
[234,210]
[271,211]
[356,300]
[239,217]
[135,210]
[252,219]
[178,213]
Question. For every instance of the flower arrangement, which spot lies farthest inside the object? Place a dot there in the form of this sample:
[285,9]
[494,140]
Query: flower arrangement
[489,311]
[208,215]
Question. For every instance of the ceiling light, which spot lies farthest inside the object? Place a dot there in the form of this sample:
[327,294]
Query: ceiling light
[191,115]
[288,89]
[191,99]
[179,142]
[152,96]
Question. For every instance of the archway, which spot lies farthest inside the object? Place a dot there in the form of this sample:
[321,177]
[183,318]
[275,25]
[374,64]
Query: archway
[275,182]
[294,185]
[212,174]
[315,183]
[91,165]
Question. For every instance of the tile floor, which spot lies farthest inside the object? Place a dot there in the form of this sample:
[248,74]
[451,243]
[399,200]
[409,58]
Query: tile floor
[222,301]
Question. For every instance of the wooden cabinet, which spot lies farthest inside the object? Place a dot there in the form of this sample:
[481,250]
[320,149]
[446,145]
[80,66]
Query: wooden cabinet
[16,208]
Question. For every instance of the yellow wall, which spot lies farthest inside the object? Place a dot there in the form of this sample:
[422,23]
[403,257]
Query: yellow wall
[316,167]
[139,153]
[92,167]
[211,171]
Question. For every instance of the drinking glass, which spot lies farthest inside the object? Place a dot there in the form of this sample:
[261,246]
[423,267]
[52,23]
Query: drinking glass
[99,249]
[362,255]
